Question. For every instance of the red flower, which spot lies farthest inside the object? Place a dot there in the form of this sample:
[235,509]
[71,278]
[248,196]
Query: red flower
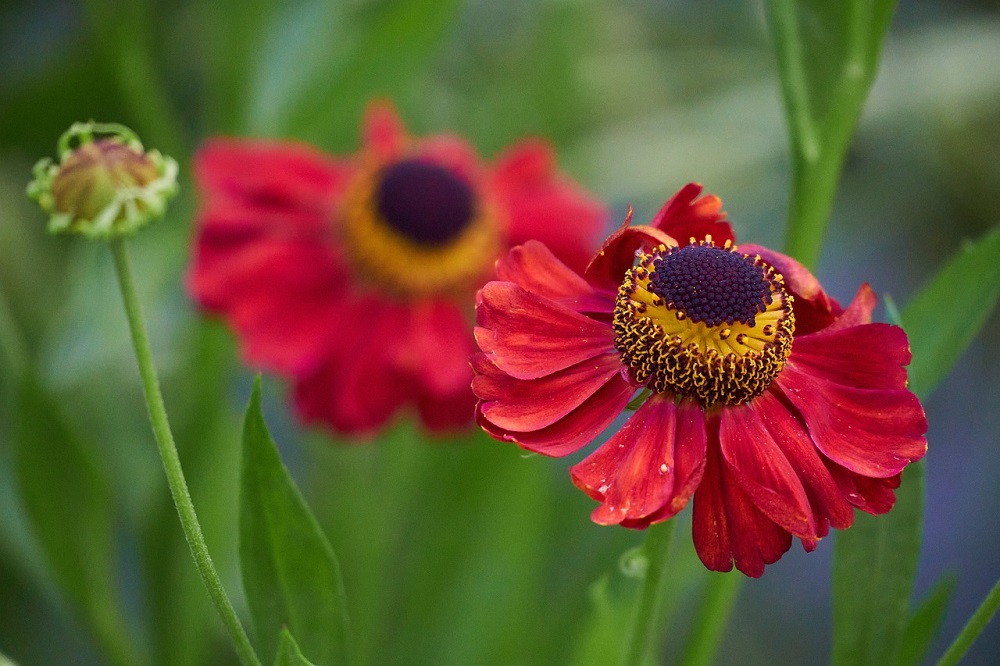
[355,277]
[775,408]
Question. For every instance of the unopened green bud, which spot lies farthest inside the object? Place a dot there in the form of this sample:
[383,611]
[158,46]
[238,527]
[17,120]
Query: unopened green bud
[105,184]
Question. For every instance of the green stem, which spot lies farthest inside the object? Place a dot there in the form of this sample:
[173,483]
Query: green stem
[171,461]
[970,632]
[712,618]
[648,612]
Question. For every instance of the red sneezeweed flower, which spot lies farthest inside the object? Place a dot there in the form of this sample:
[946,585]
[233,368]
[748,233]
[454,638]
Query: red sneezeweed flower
[778,410]
[355,277]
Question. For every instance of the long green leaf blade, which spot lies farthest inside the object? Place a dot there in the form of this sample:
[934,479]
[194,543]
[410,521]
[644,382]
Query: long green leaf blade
[290,573]
[289,653]
[938,341]
[68,501]
[924,622]
[875,562]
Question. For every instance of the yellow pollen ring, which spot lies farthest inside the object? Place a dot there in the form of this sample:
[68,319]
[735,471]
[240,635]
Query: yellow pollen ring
[730,363]
[399,265]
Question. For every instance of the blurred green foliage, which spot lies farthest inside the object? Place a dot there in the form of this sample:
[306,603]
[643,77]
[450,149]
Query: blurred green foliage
[452,552]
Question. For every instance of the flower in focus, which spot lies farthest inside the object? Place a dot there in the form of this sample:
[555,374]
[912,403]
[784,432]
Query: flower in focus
[776,409]
[103,187]
[355,277]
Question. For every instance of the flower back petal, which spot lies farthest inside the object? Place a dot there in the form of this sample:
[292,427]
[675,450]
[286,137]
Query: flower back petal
[608,267]
[384,133]
[542,204]
[684,217]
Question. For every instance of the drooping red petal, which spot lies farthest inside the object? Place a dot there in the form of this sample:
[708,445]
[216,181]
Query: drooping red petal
[690,441]
[384,134]
[454,154]
[829,503]
[529,336]
[608,267]
[524,405]
[858,312]
[359,388]
[447,413]
[636,473]
[684,216]
[726,526]
[533,267]
[542,204]
[874,496]
[814,309]
[268,175]
[576,429]
[870,356]
[432,344]
[872,432]
[763,472]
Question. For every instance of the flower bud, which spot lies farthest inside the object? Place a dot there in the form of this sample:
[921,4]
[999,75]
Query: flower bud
[103,187]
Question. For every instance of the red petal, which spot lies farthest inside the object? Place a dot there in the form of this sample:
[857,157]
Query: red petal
[689,456]
[577,428]
[791,437]
[448,413]
[608,267]
[727,527]
[358,389]
[858,312]
[870,356]
[639,472]
[433,346]
[454,154]
[542,204]
[270,175]
[383,131]
[874,496]
[529,336]
[533,267]
[813,308]
[683,217]
[873,432]
[758,464]
[525,405]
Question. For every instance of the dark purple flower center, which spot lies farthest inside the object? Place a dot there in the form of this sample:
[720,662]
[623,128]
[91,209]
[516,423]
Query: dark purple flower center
[425,202]
[711,284]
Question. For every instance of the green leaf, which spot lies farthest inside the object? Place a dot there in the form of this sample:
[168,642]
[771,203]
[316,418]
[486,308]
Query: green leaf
[937,342]
[389,52]
[828,55]
[68,501]
[290,573]
[289,653]
[924,622]
[875,562]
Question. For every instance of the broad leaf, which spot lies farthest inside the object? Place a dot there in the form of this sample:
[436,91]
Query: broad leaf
[69,504]
[925,621]
[290,573]
[289,653]
[938,341]
[875,562]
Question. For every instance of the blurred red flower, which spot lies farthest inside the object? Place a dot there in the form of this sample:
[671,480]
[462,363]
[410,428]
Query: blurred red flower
[775,408]
[354,277]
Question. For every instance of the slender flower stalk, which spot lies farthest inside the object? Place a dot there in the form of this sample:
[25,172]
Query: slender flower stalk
[970,632]
[649,609]
[171,461]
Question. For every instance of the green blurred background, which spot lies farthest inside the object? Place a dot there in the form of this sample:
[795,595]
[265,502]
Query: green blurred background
[453,552]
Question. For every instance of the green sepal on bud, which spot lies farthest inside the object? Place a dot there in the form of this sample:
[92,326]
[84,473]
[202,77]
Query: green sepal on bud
[105,183]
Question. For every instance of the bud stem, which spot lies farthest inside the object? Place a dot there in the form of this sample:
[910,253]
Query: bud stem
[171,461]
